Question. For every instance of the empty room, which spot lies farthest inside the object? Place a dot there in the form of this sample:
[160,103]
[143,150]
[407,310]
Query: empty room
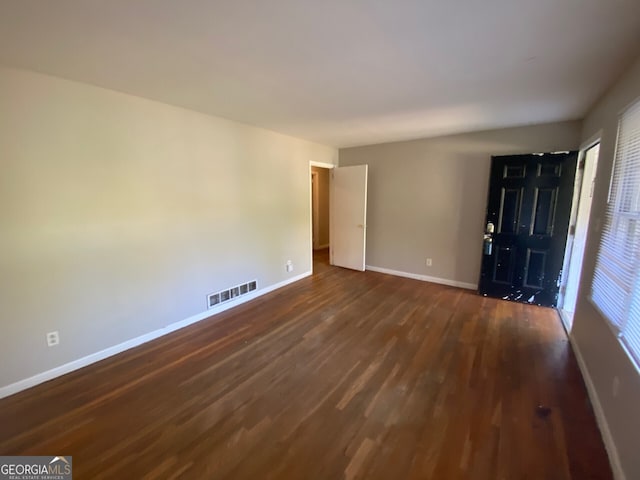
[320,240]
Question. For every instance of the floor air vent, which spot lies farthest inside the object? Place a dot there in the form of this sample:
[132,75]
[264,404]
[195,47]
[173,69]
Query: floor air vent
[231,293]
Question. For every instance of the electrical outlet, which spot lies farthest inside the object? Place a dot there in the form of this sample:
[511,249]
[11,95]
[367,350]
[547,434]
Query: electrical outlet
[429,262]
[289,266]
[53,339]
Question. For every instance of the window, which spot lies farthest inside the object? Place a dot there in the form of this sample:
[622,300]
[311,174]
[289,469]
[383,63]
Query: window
[616,283]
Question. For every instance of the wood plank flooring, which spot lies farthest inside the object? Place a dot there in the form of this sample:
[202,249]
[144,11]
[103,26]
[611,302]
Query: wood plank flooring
[341,375]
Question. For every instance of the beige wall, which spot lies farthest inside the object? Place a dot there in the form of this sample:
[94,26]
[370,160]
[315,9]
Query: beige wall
[118,215]
[427,198]
[323,205]
[603,355]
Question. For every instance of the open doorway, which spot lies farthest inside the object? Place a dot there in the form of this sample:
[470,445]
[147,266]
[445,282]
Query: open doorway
[338,214]
[320,215]
[320,207]
[578,230]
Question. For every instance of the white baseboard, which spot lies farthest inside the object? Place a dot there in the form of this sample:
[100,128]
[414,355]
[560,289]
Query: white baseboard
[134,342]
[612,451]
[424,278]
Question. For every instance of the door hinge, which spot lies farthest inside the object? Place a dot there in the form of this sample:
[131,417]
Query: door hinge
[563,289]
[581,164]
[572,230]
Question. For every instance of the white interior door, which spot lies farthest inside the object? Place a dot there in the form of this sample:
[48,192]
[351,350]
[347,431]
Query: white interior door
[349,216]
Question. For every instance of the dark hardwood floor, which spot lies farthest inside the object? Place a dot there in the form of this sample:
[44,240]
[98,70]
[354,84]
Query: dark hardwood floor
[341,375]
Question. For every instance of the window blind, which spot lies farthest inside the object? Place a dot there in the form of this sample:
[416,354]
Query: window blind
[616,283]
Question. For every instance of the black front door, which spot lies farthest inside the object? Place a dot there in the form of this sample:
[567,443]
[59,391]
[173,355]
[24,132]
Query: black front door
[526,226]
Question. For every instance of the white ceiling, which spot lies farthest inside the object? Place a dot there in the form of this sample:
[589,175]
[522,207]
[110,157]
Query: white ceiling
[338,72]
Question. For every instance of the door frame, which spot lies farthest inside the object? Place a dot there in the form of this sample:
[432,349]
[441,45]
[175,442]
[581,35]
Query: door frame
[329,166]
[572,262]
